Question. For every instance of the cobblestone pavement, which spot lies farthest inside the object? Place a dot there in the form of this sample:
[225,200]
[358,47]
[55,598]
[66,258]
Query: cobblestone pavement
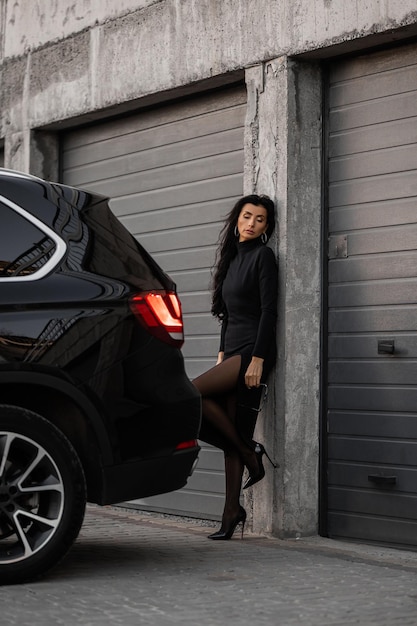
[133,568]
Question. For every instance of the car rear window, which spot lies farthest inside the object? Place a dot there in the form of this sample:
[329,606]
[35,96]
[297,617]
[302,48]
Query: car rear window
[24,248]
[119,255]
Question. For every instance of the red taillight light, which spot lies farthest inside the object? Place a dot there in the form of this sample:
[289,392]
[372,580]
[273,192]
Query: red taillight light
[160,313]
[185,445]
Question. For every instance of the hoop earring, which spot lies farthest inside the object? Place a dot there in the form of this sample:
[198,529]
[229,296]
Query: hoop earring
[264,238]
[236,231]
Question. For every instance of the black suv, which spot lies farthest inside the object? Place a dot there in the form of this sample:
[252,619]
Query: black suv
[95,404]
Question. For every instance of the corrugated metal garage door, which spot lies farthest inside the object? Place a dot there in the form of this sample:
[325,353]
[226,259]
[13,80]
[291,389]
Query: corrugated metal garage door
[372,343]
[173,173]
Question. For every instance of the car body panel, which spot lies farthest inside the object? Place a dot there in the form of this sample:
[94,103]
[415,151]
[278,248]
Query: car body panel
[70,330]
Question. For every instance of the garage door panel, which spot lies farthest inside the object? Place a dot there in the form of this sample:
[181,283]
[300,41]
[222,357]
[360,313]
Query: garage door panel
[163,156]
[178,196]
[198,302]
[369,372]
[366,64]
[209,482]
[203,346]
[179,137]
[368,450]
[213,106]
[374,188]
[202,323]
[368,502]
[385,213]
[372,398]
[210,508]
[191,280]
[194,367]
[177,174]
[384,161]
[371,528]
[180,238]
[200,345]
[182,259]
[356,475]
[371,293]
[173,173]
[378,319]
[377,240]
[179,217]
[385,83]
[379,266]
[398,425]
[363,114]
[365,346]
[376,137]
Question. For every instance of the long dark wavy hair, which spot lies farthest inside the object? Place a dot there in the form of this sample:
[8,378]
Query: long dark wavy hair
[227,248]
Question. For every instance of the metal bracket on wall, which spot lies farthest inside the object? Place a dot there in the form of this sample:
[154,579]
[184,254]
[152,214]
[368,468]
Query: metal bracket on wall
[338,247]
[386,346]
[382,479]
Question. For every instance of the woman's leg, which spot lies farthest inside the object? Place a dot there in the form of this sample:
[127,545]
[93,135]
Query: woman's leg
[218,389]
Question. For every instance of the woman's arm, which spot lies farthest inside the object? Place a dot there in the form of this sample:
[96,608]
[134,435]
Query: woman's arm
[253,374]
[222,335]
[268,295]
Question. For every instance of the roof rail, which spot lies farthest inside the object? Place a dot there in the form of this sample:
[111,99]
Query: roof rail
[16,174]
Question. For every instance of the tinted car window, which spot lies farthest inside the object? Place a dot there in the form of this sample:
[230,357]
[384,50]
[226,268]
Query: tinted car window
[117,254]
[24,248]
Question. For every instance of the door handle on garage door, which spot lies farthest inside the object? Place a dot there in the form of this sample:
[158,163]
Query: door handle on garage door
[386,346]
[379,479]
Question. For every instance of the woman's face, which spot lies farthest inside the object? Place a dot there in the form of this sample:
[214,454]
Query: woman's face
[251,222]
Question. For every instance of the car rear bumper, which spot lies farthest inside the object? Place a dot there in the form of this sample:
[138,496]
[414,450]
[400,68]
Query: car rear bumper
[140,478]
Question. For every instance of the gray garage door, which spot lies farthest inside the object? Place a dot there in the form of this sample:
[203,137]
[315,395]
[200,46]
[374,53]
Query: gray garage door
[173,173]
[372,321]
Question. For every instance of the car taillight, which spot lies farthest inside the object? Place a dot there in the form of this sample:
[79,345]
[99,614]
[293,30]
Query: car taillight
[160,313]
[184,445]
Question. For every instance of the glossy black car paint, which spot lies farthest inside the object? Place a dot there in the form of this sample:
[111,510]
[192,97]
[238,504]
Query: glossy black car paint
[72,350]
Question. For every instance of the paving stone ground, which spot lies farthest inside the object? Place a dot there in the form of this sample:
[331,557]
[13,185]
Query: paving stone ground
[133,568]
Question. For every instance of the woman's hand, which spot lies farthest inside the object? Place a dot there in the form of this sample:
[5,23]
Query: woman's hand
[254,372]
[220,358]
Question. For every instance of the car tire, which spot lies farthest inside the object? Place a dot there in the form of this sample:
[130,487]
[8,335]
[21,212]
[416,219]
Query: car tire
[42,495]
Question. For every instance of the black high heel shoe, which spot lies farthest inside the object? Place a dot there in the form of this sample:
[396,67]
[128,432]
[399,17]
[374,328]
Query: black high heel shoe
[255,478]
[227,533]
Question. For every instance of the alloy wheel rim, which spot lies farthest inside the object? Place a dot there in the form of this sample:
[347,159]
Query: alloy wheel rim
[31,497]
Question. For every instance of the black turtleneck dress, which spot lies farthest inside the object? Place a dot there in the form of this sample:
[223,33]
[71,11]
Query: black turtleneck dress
[249,292]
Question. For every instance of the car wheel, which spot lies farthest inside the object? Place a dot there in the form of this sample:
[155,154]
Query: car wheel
[42,495]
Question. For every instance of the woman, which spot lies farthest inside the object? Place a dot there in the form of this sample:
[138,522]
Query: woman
[245,301]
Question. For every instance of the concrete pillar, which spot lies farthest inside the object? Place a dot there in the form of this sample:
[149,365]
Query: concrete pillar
[16,150]
[26,150]
[44,155]
[33,152]
[283,160]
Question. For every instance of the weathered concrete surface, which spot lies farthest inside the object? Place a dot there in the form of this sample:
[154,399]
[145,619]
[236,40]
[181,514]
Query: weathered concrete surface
[112,52]
[65,59]
[283,159]
[32,24]
[239,27]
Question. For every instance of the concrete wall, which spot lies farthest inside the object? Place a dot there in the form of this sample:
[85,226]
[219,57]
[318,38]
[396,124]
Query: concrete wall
[235,32]
[64,59]
[68,58]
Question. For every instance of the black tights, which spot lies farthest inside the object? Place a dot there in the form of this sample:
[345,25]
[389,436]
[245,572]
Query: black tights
[218,388]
